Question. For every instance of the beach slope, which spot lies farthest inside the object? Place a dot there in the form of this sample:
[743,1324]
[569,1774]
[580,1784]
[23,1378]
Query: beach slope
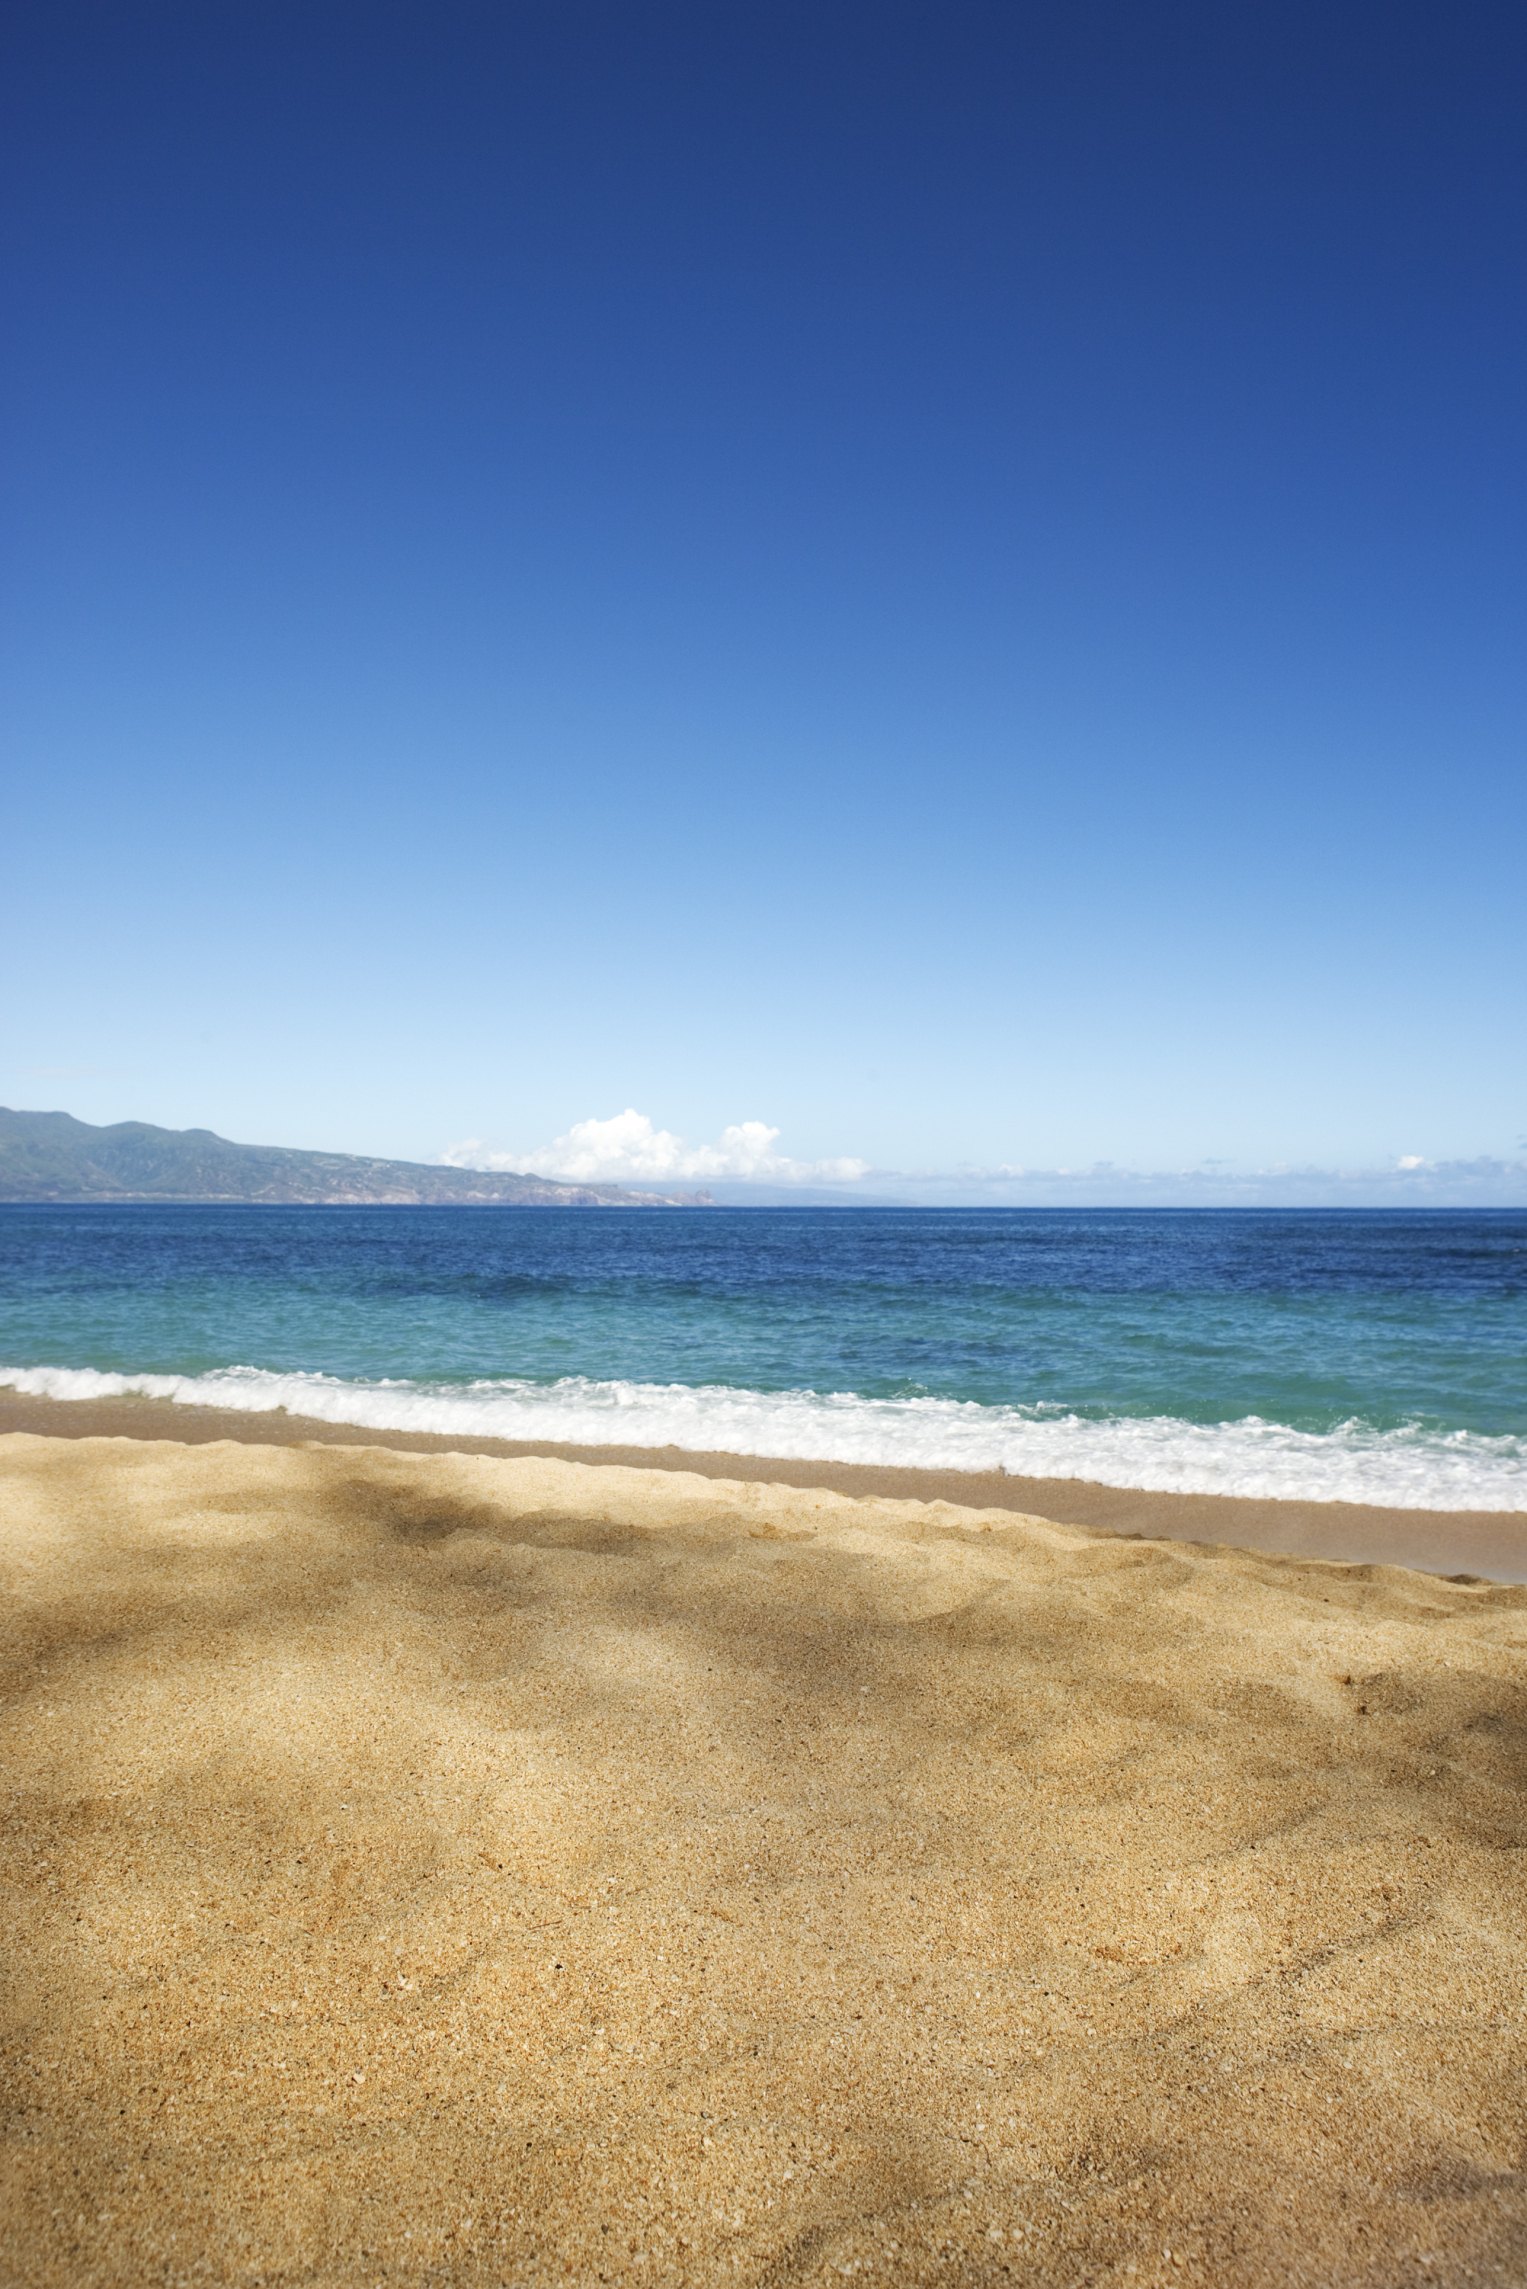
[435,1868]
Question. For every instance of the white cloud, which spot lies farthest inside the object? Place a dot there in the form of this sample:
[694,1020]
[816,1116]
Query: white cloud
[628,1149]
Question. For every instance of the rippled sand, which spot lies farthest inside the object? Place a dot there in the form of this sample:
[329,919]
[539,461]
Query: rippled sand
[455,1870]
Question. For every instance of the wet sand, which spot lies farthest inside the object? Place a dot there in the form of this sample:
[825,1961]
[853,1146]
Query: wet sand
[455,1869]
[1491,1544]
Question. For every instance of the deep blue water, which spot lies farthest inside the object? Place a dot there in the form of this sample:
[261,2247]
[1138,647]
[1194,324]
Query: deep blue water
[1300,1351]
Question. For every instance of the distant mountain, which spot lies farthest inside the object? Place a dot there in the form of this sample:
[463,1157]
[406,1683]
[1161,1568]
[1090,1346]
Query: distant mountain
[52,1156]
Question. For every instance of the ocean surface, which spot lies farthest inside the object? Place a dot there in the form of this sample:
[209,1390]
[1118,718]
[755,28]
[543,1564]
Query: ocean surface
[1377,1356]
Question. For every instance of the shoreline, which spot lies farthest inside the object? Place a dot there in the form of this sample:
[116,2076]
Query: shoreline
[1475,1544]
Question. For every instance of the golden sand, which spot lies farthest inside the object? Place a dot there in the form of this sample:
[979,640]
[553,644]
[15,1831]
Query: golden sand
[1488,1542]
[435,1869]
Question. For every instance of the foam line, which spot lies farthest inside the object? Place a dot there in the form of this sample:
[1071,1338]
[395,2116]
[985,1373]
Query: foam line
[1408,1469]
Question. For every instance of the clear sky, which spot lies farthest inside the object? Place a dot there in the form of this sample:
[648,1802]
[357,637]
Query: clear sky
[946,580]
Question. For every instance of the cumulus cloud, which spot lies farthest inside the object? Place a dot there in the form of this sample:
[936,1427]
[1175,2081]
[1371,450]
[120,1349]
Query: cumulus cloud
[629,1149]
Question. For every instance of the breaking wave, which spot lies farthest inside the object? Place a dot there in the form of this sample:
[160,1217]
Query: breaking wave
[1413,1468]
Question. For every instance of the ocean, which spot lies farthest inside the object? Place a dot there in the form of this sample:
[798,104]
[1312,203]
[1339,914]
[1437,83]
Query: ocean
[1375,1356]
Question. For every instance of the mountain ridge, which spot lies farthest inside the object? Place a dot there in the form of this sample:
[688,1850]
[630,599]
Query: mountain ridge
[54,1157]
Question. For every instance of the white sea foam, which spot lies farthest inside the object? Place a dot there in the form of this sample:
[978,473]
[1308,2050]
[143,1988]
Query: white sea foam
[1409,1469]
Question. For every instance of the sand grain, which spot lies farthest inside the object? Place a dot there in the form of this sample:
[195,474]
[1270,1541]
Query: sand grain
[446,1869]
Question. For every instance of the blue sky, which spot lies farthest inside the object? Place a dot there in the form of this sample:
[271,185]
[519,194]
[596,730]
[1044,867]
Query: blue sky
[948,583]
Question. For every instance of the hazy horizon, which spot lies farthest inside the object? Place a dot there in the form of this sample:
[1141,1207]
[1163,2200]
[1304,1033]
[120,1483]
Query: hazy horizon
[744,1168]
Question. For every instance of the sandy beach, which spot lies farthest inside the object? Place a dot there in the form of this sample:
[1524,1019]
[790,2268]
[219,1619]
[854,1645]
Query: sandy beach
[1488,1543]
[464,1868]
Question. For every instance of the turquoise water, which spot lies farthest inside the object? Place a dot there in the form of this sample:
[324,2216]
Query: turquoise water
[1374,1355]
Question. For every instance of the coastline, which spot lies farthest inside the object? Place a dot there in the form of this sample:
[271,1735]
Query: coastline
[1486,1545]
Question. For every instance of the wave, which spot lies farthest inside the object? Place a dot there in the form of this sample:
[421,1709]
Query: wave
[1407,1469]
